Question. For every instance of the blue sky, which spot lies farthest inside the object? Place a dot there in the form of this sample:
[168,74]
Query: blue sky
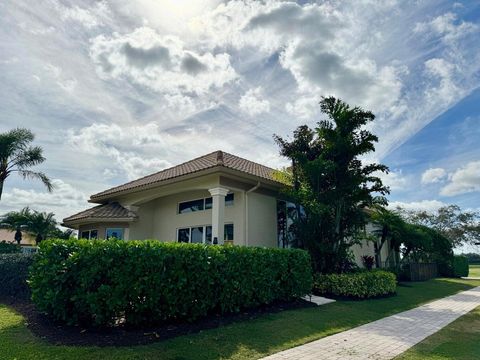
[118,89]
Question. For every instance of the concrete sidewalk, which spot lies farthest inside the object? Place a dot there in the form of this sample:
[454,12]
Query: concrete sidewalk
[387,337]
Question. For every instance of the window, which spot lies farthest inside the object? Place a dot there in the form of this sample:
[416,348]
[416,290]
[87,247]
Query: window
[228,232]
[202,204]
[190,206]
[202,234]
[114,233]
[89,234]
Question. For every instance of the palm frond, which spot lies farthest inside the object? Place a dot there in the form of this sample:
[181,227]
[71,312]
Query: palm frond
[29,174]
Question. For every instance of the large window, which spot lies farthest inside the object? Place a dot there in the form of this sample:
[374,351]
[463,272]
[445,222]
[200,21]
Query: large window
[202,234]
[202,204]
[89,234]
[114,233]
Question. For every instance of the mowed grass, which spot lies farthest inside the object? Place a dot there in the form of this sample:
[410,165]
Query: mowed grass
[474,271]
[459,340]
[243,340]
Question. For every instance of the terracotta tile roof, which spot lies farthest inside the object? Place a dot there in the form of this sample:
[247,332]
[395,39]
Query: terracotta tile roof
[217,158]
[105,211]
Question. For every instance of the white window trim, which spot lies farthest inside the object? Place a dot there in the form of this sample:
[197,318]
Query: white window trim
[123,232]
[204,232]
[89,233]
[204,202]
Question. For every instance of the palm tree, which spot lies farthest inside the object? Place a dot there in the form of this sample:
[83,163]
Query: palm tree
[39,224]
[391,227]
[16,155]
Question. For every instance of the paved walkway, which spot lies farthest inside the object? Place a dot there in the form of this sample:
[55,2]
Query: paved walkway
[387,337]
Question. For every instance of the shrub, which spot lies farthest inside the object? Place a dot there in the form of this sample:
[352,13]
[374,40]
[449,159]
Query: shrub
[9,248]
[14,274]
[140,282]
[460,266]
[360,285]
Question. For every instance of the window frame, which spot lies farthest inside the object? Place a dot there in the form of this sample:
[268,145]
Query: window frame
[204,233]
[230,203]
[115,228]
[89,231]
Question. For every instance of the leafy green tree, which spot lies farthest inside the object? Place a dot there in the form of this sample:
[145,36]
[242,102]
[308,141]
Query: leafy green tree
[39,224]
[331,183]
[18,156]
[460,227]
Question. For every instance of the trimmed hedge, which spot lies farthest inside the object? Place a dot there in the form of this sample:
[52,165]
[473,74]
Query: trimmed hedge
[460,266]
[14,275]
[140,282]
[359,285]
[9,248]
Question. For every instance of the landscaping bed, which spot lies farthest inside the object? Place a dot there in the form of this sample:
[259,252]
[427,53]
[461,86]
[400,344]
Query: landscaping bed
[57,333]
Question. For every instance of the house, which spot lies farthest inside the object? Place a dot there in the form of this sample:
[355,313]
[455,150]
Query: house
[213,199]
[9,236]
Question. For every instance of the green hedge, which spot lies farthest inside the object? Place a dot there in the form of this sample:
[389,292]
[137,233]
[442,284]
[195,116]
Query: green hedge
[9,248]
[359,285]
[139,282]
[14,275]
[460,266]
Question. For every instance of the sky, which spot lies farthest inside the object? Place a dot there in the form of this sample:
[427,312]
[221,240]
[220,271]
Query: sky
[118,89]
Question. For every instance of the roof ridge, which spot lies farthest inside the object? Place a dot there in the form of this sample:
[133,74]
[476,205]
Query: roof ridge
[256,163]
[155,173]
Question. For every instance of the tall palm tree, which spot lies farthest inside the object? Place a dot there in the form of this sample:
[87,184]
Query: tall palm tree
[17,155]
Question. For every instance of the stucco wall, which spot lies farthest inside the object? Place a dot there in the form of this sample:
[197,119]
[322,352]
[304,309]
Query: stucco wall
[262,220]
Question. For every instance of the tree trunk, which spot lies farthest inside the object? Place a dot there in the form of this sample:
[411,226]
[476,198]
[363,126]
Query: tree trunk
[1,188]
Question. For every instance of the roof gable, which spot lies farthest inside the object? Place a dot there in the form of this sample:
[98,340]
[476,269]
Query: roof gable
[208,161]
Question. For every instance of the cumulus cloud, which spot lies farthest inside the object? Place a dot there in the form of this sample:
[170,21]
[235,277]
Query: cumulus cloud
[252,102]
[464,180]
[64,200]
[394,179]
[433,175]
[162,63]
[423,205]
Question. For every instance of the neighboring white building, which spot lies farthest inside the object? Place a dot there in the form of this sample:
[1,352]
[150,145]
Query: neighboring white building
[215,198]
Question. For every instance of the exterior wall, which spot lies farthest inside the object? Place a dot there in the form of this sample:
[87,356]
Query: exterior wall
[143,228]
[166,219]
[262,220]
[9,236]
[359,250]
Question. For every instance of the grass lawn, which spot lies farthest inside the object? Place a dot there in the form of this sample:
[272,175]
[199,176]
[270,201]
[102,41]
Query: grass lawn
[474,271]
[459,340]
[244,340]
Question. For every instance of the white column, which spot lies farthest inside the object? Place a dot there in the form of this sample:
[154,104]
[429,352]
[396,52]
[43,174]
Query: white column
[218,213]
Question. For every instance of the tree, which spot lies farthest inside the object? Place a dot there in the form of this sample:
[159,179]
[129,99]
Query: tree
[39,224]
[331,183]
[16,155]
[390,227]
[460,227]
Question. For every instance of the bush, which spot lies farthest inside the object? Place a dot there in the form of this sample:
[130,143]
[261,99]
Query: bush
[139,282]
[9,248]
[14,274]
[359,285]
[460,266]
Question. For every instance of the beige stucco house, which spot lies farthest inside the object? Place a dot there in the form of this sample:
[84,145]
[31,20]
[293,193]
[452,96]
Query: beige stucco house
[213,199]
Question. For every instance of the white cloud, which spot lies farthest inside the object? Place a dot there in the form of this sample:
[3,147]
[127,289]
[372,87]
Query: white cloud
[63,201]
[423,205]
[447,27]
[253,103]
[161,63]
[394,179]
[89,17]
[433,175]
[464,180]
